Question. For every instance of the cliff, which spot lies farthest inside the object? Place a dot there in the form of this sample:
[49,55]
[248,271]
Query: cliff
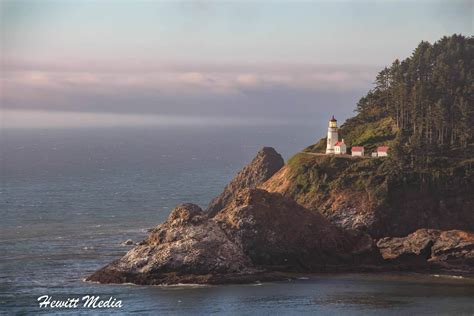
[378,196]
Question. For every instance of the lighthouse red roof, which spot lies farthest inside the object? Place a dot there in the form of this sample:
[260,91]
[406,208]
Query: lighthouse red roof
[383,149]
[357,148]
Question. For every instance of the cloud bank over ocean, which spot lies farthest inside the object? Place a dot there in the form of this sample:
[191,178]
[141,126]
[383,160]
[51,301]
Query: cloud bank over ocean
[240,90]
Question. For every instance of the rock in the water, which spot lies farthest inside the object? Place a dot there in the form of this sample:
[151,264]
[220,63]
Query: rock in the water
[451,250]
[454,246]
[263,166]
[127,242]
[256,234]
[414,249]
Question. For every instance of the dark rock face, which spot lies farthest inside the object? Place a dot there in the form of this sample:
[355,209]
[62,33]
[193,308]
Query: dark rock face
[263,166]
[400,215]
[256,234]
[276,231]
[444,209]
[451,250]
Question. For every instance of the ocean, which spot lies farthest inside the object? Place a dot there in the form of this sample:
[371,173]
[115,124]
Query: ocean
[70,197]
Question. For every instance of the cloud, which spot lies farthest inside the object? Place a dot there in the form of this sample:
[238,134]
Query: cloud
[36,78]
[182,88]
[248,80]
[192,78]
[183,76]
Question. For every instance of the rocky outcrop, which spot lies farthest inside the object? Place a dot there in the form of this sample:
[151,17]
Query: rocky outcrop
[256,236]
[275,231]
[187,247]
[263,166]
[451,250]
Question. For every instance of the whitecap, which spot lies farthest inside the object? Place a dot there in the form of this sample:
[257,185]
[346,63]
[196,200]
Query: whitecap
[447,276]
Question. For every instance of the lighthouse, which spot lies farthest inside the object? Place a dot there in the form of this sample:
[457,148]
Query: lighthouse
[332,136]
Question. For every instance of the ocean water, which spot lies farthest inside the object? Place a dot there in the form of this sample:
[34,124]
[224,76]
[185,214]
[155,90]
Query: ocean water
[68,198]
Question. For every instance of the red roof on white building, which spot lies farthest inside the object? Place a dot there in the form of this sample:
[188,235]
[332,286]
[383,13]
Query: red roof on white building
[357,148]
[383,149]
[339,144]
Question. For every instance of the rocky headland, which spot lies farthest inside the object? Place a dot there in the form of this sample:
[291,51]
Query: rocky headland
[258,235]
[265,233]
[410,211]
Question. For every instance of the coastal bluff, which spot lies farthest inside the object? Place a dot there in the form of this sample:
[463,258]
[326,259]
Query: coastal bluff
[264,233]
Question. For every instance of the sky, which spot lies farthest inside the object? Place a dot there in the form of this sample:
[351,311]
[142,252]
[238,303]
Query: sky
[144,62]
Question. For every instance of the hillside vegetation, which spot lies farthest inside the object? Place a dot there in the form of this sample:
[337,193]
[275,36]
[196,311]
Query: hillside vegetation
[422,107]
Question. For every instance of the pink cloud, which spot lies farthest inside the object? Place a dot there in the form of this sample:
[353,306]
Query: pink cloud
[248,80]
[192,78]
[46,82]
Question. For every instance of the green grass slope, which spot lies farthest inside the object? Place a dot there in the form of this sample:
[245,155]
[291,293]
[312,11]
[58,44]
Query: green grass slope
[382,132]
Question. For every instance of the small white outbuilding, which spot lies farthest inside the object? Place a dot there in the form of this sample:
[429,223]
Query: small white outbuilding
[382,151]
[357,151]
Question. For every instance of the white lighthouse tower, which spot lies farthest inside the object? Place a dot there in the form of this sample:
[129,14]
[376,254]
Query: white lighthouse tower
[332,136]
